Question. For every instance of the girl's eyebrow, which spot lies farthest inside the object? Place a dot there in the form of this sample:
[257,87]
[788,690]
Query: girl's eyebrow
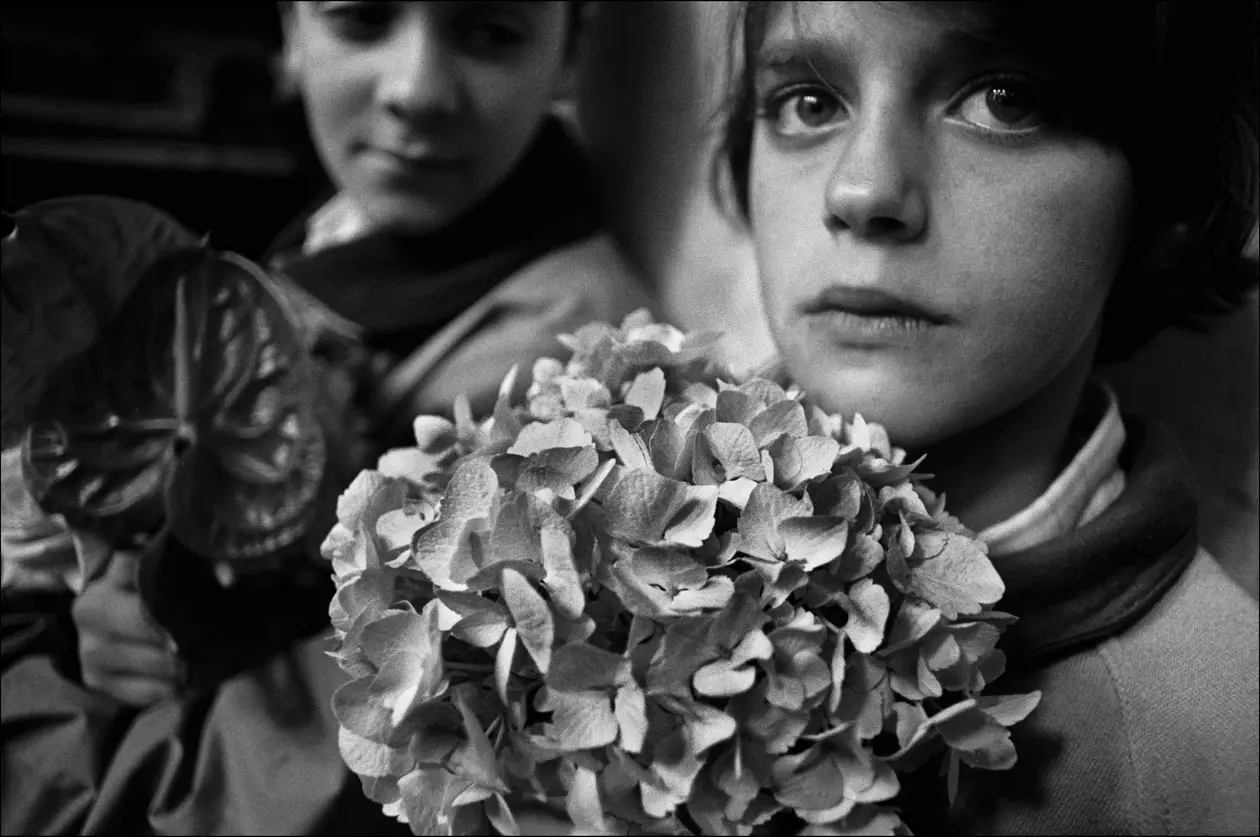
[830,57]
[813,54]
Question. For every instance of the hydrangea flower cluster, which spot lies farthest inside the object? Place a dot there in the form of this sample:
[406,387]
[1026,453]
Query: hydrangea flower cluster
[653,600]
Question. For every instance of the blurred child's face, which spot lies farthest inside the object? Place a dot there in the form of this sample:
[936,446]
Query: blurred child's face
[418,110]
[932,249]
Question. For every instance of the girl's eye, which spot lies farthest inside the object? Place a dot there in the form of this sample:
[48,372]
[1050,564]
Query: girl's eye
[492,36]
[803,111]
[1005,106]
[359,21]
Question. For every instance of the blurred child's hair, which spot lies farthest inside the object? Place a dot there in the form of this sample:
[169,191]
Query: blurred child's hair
[1173,85]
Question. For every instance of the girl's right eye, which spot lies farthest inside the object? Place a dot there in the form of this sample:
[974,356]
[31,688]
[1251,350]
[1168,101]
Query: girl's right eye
[802,111]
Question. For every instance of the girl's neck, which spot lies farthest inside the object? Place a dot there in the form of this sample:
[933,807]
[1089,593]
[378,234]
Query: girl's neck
[997,469]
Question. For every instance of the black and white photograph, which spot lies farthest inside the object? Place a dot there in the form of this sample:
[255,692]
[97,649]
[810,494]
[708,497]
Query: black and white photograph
[630,417]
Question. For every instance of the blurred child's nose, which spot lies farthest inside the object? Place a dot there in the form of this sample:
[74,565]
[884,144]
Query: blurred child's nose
[875,189]
[418,77]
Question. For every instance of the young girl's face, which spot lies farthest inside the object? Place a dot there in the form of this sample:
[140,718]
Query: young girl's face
[418,110]
[933,246]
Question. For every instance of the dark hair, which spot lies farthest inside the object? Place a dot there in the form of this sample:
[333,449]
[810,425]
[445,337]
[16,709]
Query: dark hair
[1173,85]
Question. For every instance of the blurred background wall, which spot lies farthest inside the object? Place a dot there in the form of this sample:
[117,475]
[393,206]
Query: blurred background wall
[174,103]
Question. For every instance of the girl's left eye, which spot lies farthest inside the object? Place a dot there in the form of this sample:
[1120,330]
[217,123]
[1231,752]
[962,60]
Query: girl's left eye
[803,111]
[1004,106]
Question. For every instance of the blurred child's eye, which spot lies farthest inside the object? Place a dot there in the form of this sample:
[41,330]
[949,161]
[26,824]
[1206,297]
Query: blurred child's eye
[358,21]
[1004,106]
[803,110]
[491,32]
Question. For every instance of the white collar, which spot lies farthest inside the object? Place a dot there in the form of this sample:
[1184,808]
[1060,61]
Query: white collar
[1083,490]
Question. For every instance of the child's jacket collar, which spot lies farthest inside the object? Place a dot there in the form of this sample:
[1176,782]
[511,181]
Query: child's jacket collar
[1086,488]
[1096,581]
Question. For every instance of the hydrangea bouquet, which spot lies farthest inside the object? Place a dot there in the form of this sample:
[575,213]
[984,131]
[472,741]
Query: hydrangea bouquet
[655,600]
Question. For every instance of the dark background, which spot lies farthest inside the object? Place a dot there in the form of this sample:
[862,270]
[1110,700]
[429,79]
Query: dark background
[175,103]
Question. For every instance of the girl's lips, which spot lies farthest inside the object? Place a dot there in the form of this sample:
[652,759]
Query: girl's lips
[872,304]
[865,318]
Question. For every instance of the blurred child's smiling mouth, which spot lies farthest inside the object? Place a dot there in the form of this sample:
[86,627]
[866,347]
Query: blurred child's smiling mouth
[867,318]
[413,162]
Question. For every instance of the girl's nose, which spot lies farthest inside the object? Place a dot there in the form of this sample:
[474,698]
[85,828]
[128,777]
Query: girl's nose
[418,77]
[875,190]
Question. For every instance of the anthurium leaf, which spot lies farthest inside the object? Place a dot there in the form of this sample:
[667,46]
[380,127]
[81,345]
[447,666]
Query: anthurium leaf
[542,436]
[532,616]
[959,578]
[581,667]
[647,392]
[581,720]
[815,541]
[196,406]
[868,606]
[630,707]
[759,524]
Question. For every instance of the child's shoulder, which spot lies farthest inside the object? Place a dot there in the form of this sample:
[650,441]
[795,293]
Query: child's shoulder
[590,275]
[1180,690]
[1151,731]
